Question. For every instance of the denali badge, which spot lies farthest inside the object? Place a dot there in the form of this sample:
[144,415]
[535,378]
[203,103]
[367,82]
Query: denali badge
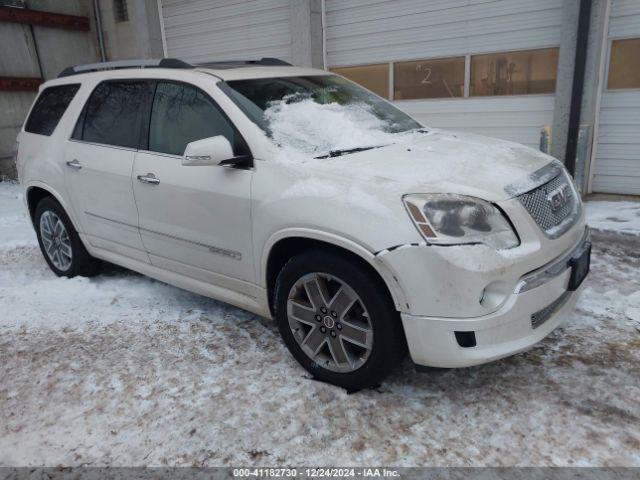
[558,197]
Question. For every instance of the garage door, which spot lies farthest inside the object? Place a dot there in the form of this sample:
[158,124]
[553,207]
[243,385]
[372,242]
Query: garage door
[617,154]
[199,31]
[472,65]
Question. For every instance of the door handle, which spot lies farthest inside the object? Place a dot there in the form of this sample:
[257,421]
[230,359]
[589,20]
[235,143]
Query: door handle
[198,158]
[149,178]
[74,164]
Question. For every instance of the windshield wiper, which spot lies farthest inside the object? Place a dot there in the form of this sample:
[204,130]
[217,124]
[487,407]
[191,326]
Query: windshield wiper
[346,151]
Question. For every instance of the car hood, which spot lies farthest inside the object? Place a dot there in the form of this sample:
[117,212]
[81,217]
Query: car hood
[443,162]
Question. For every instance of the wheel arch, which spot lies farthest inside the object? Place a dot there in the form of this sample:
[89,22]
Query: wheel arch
[36,191]
[286,244]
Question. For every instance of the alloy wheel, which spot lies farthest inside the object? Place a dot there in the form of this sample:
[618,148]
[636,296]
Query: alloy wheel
[330,322]
[55,239]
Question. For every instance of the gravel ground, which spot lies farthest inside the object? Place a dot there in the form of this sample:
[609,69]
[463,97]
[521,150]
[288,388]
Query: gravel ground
[123,370]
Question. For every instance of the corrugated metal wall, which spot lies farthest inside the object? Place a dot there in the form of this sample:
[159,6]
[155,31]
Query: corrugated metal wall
[205,30]
[37,51]
[370,31]
[517,119]
[617,158]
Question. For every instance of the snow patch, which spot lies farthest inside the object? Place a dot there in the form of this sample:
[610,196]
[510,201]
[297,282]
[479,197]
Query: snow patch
[15,225]
[616,216]
[632,310]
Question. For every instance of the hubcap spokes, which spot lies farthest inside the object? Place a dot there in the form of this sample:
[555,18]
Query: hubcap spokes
[330,322]
[55,240]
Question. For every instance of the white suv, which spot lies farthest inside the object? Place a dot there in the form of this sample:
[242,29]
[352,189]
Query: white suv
[295,194]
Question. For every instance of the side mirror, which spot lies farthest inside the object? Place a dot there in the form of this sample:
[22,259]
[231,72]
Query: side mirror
[208,151]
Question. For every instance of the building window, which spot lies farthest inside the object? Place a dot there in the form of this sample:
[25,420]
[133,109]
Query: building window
[372,77]
[442,78]
[624,69]
[514,73]
[120,10]
[13,3]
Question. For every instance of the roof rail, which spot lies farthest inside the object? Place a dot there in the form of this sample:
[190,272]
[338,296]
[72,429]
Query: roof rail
[96,67]
[264,61]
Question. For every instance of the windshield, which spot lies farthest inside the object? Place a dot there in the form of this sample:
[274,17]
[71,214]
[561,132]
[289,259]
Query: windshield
[319,114]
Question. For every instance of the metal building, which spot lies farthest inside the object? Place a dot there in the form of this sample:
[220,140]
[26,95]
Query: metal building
[615,166]
[560,75]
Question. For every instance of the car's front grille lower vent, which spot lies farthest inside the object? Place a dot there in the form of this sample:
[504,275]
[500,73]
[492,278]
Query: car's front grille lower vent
[555,206]
[541,316]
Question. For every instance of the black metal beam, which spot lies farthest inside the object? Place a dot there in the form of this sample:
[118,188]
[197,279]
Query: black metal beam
[20,84]
[582,38]
[43,19]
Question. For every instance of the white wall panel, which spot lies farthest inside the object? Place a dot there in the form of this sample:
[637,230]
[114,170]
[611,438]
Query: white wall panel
[362,31]
[210,30]
[518,119]
[625,18]
[617,165]
[617,158]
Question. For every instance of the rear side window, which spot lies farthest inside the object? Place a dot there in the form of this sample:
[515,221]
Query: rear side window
[182,114]
[112,115]
[49,108]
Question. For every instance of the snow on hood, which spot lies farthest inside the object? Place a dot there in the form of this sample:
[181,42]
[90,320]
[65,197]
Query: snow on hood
[442,162]
[418,161]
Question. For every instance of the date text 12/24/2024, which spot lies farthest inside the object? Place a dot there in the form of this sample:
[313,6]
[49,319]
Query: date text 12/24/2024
[316,472]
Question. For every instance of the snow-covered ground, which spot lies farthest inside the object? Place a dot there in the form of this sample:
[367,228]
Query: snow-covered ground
[124,370]
[616,216]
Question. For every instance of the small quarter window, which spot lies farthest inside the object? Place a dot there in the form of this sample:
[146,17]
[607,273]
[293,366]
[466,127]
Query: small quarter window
[624,68]
[49,108]
[371,77]
[514,73]
[443,78]
[182,114]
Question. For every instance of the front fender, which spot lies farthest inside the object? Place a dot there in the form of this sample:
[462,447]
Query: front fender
[371,258]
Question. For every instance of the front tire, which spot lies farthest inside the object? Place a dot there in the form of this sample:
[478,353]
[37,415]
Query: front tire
[59,242]
[337,320]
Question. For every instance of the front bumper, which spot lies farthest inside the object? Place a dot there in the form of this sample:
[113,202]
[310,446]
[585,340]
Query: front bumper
[538,304]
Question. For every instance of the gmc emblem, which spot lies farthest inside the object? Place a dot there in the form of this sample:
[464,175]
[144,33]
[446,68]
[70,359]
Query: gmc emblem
[558,197]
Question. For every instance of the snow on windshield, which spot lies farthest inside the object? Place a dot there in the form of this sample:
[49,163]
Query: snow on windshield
[306,128]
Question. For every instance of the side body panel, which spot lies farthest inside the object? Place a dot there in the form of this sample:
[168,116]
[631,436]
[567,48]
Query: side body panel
[197,219]
[101,196]
[41,159]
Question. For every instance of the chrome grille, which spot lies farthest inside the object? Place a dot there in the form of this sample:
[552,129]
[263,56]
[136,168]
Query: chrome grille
[552,219]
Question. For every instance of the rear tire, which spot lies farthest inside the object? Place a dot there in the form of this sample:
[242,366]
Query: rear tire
[349,334]
[59,242]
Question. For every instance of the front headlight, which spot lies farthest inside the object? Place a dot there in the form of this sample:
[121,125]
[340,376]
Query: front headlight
[457,219]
